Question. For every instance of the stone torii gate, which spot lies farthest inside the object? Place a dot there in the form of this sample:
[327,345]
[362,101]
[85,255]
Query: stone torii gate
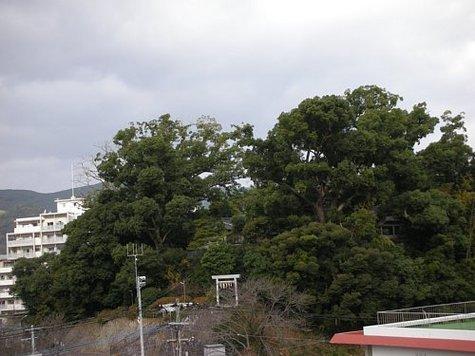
[225,281]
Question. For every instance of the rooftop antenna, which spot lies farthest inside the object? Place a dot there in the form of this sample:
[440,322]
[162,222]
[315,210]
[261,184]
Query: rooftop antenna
[72,181]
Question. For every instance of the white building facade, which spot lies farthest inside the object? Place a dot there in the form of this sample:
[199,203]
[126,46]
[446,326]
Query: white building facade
[33,237]
[8,304]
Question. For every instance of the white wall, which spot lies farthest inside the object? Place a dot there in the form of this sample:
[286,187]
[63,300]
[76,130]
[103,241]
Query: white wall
[399,351]
[73,206]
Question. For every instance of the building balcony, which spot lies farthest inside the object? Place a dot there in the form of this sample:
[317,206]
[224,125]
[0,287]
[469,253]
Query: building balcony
[54,240]
[11,307]
[7,282]
[15,256]
[6,270]
[6,295]
[26,229]
[56,227]
[20,242]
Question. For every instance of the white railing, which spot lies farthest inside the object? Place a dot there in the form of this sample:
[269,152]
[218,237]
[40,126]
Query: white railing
[5,295]
[54,240]
[16,256]
[19,228]
[55,227]
[6,270]
[7,282]
[11,307]
[425,312]
[21,242]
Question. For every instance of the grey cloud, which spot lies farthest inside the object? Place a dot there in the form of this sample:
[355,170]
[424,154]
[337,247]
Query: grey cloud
[72,73]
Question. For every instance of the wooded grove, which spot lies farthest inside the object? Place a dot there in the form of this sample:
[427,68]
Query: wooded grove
[342,204]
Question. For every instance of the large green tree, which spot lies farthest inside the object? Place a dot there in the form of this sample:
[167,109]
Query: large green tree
[160,173]
[339,152]
[325,178]
[160,180]
[450,160]
[352,271]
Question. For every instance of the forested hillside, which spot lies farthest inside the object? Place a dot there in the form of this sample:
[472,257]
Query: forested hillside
[325,178]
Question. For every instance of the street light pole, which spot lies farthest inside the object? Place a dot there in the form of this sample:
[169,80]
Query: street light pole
[139,301]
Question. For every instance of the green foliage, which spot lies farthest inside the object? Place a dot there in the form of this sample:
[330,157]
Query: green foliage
[350,278]
[219,258]
[326,176]
[371,279]
[270,210]
[450,160]
[207,230]
[34,282]
[149,295]
[362,224]
[160,173]
[433,220]
[337,153]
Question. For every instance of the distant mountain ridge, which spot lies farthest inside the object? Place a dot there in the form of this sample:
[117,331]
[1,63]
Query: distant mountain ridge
[17,203]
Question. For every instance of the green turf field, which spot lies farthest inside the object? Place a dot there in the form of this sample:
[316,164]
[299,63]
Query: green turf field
[456,324]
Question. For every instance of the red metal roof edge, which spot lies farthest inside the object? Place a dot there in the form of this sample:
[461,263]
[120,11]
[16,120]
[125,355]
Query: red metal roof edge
[358,338]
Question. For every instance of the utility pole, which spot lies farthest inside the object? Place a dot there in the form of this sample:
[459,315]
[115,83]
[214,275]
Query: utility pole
[32,339]
[184,291]
[179,329]
[33,351]
[178,325]
[139,283]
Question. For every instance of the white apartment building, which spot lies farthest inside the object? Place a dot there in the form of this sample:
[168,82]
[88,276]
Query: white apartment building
[33,237]
[8,304]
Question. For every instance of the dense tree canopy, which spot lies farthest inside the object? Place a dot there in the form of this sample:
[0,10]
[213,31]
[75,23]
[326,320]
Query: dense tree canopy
[325,180]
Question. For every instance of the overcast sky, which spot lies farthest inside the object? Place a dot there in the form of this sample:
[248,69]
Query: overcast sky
[74,72]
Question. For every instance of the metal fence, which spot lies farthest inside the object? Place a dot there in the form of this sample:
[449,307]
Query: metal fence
[427,312]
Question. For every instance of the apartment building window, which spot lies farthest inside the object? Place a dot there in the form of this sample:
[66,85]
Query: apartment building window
[50,224]
[37,248]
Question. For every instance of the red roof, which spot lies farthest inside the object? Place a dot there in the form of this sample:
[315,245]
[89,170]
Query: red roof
[358,338]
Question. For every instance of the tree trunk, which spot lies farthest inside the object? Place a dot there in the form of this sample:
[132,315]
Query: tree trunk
[319,205]
[319,211]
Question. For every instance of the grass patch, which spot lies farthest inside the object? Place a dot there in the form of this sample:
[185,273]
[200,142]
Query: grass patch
[454,325]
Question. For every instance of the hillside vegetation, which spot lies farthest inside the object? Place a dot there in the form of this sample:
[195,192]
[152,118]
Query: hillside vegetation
[325,178]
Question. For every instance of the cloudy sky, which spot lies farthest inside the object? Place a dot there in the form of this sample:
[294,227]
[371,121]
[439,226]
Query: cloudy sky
[73,72]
